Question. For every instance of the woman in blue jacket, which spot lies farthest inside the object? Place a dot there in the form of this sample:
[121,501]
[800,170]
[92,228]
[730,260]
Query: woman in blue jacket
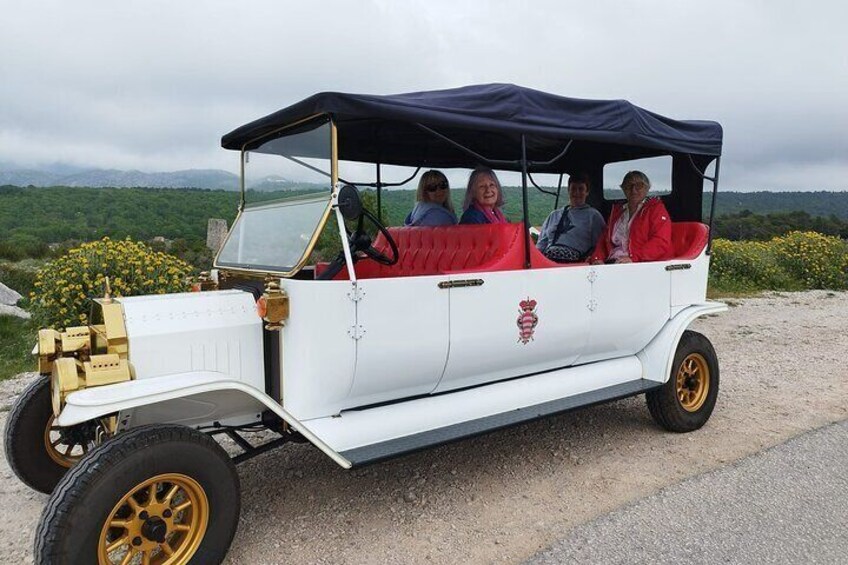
[434,206]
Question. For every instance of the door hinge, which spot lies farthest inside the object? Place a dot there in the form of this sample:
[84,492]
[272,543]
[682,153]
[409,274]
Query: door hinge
[592,275]
[356,294]
[356,332]
[592,305]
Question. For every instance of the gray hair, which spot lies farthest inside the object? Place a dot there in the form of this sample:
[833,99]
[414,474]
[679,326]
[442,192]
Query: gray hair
[469,190]
[636,176]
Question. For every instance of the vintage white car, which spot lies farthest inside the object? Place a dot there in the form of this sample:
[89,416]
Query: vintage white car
[420,336]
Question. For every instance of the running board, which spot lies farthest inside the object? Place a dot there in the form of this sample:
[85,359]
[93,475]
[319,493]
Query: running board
[369,435]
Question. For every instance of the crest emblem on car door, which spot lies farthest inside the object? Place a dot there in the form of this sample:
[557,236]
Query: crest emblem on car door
[527,320]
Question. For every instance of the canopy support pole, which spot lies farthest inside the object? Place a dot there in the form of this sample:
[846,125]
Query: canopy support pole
[474,154]
[379,192]
[714,180]
[525,207]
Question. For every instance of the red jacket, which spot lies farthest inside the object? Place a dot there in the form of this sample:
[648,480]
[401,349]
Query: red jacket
[650,233]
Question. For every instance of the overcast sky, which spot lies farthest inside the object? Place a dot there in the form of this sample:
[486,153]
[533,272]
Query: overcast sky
[153,85]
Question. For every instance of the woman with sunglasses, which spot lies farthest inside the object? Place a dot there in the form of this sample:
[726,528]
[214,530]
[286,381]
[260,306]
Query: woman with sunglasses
[434,206]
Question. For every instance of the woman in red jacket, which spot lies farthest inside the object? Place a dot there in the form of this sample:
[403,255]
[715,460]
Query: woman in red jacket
[637,230]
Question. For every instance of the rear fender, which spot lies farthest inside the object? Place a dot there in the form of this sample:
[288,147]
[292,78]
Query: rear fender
[191,398]
[658,355]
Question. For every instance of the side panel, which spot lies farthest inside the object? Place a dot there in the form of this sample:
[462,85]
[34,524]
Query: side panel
[689,286]
[318,354]
[402,344]
[630,305]
[493,337]
[201,331]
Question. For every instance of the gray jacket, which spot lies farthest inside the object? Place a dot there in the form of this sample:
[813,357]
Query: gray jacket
[587,226]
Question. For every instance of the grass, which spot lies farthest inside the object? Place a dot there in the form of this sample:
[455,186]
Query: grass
[17,338]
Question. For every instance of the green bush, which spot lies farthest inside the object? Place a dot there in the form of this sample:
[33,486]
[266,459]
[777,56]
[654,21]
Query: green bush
[64,287]
[796,261]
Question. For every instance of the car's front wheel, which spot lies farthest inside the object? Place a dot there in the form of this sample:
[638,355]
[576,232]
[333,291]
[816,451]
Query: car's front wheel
[158,494]
[686,401]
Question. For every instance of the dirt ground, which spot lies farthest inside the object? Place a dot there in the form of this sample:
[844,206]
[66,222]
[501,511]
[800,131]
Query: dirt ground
[501,497]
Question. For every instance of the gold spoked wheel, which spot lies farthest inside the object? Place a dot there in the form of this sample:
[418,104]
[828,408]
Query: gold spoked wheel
[159,522]
[65,452]
[693,382]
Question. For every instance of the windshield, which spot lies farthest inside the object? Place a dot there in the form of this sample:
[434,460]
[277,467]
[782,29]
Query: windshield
[287,199]
[293,162]
[274,236]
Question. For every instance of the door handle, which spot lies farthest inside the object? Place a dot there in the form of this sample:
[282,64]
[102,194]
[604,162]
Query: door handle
[461,283]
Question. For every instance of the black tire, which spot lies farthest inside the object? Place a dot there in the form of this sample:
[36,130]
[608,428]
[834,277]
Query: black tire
[682,404]
[72,527]
[24,441]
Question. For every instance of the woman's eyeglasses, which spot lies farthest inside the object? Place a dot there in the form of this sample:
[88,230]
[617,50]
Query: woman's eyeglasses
[435,187]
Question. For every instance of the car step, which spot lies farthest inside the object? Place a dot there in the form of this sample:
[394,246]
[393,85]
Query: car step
[369,435]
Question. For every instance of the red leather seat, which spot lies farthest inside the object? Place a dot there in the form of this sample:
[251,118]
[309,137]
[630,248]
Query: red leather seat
[447,249]
[689,239]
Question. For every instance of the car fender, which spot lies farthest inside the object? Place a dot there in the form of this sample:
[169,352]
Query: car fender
[658,356]
[95,402]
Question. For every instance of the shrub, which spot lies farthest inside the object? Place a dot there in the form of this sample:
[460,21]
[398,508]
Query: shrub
[813,259]
[796,261]
[64,287]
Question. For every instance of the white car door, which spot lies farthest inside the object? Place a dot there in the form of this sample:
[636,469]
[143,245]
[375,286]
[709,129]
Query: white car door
[401,335]
[511,323]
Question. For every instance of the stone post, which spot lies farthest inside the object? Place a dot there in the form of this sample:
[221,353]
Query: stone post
[216,232]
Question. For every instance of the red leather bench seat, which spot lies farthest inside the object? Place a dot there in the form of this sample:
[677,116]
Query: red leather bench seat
[689,239]
[484,248]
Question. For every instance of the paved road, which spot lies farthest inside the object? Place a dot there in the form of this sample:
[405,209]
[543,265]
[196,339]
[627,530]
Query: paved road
[786,505]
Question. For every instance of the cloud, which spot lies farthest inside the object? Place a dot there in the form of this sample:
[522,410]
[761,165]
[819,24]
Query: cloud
[153,85]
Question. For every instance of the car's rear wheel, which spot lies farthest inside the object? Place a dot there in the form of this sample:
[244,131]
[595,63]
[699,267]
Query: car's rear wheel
[158,495]
[686,401]
[38,451]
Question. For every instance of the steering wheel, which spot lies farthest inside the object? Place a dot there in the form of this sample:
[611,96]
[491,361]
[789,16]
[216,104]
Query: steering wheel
[360,241]
[361,245]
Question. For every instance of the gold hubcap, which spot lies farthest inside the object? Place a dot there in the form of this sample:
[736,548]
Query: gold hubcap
[59,449]
[159,522]
[693,382]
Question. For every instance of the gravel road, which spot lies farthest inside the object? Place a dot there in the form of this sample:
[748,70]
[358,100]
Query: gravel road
[503,497]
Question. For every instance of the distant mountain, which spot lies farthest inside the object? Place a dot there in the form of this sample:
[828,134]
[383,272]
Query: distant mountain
[193,178]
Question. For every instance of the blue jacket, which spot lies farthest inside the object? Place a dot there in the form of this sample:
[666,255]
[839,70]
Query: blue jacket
[430,214]
[473,216]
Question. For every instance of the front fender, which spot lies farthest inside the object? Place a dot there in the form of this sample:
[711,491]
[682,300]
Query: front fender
[155,394]
[658,355]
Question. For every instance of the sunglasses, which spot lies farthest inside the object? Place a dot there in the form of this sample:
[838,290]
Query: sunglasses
[435,187]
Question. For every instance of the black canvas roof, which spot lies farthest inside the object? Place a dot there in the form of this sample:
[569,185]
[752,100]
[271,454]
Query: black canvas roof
[489,119]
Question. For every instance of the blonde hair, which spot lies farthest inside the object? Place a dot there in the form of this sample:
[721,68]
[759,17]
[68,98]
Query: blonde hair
[432,178]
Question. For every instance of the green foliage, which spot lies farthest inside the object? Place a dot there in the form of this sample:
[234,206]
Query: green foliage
[17,336]
[64,287]
[796,261]
[746,225]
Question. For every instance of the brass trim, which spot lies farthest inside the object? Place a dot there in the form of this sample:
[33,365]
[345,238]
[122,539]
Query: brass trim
[296,269]
[678,267]
[334,154]
[334,175]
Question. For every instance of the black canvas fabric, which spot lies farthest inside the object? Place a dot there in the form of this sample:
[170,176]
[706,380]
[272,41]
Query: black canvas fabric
[489,119]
